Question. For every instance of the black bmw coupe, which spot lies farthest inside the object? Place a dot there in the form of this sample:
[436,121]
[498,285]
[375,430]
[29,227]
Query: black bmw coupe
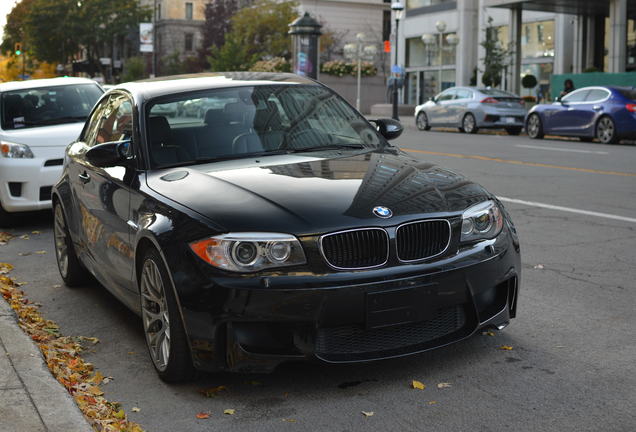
[279,226]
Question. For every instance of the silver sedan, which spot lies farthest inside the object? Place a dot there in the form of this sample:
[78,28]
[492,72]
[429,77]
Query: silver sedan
[472,108]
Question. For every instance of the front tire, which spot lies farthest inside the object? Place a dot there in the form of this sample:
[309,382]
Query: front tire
[71,269]
[469,124]
[534,127]
[165,334]
[606,131]
[421,121]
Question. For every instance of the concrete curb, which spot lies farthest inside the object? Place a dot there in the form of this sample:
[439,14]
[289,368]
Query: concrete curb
[27,387]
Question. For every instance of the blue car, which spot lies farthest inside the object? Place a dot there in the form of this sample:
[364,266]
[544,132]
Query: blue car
[605,113]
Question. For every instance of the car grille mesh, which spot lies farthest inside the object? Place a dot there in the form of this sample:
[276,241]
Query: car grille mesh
[357,340]
[356,249]
[421,240]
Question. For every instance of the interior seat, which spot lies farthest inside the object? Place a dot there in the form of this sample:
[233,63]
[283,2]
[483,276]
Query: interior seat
[163,151]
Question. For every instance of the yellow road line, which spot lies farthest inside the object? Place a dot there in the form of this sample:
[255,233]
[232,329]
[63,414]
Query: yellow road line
[516,162]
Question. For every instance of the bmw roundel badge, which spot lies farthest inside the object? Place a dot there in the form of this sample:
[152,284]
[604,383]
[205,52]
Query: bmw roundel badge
[382,212]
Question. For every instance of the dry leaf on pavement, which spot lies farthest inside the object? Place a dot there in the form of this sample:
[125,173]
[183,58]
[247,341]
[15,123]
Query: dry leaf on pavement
[40,252]
[443,385]
[289,420]
[505,348]
[418,385]
[135,409]
[368,413]
[229,411]
[203,415]
[5,237]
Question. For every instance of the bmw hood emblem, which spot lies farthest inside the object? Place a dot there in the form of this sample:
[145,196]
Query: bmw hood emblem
[382,212]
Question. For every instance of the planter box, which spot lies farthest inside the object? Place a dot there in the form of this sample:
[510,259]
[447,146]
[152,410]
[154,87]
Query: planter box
[372,89]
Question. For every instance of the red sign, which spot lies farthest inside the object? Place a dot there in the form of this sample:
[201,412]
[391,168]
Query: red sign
[387,46]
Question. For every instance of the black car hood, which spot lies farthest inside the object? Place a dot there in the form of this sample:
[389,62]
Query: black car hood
[304,194]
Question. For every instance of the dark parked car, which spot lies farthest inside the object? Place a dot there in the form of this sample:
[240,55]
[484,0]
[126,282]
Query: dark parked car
[280,227]
[605,113]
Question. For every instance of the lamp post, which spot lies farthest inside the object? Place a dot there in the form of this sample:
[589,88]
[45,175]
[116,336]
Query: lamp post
[430,41]
[398,8]
[357,52]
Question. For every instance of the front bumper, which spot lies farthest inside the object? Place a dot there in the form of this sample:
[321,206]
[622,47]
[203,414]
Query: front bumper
[255,323]
[25,184]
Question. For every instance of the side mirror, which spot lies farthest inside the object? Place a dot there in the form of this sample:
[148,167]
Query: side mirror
[109,154]
[389,128]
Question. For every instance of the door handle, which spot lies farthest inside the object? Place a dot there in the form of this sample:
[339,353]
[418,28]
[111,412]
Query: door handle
[597,107]
[84,177]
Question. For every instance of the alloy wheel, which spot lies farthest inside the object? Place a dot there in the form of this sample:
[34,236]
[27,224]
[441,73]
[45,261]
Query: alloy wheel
[61,240]
[154,312]
[469,123]
[534,126]
[605,131]
[422,121]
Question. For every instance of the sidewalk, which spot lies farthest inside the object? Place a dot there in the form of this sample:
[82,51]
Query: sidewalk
[31,400]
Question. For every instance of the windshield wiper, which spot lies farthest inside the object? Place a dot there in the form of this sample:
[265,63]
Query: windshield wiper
[327,147]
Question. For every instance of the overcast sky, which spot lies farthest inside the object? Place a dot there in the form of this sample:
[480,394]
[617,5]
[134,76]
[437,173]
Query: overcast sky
[5,8]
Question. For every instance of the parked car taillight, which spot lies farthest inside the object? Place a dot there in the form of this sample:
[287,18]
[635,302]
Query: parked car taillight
[489,100]
[631,107]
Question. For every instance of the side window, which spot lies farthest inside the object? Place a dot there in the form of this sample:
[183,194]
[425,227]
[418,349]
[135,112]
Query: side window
[577,96]
[112,121]
[93,124]
[447,95]
[596,95]
[464,94]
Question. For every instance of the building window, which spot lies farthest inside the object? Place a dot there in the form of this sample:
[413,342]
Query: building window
[158,11]
[420,55]
[189,42]
[415,4]
[188,11]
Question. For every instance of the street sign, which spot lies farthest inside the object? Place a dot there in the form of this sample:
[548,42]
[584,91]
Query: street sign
[397,69]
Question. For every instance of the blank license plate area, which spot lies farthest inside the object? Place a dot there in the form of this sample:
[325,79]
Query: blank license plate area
[400,306]
[509,119]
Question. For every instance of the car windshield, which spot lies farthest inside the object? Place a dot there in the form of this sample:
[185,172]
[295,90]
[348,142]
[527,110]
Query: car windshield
[232,123]
[46,106]
[497,93]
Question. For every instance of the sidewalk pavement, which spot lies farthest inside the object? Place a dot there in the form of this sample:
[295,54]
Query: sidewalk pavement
[31,400]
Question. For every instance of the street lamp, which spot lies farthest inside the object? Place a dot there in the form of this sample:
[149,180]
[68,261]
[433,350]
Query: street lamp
[398,8]
[430,42]
[357,52]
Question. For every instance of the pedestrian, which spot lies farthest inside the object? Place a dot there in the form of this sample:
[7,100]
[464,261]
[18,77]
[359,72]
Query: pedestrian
[568,86]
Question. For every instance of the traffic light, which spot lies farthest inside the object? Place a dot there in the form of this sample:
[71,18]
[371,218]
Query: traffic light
[18,48]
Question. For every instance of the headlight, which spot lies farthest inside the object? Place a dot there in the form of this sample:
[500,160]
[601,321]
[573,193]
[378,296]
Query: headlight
[14,150]
[250,252]
[481,221]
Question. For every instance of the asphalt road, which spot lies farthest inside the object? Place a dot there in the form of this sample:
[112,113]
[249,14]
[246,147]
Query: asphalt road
[573,362]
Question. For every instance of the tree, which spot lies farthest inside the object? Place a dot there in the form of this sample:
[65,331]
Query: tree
[256,33]
[497,57]
[134,69]
[14,30]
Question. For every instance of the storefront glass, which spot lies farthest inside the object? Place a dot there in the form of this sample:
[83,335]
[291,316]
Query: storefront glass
[414,4]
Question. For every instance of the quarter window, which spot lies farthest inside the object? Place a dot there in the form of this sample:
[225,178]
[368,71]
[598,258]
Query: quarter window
[446,96]
[596,95]
[464,94]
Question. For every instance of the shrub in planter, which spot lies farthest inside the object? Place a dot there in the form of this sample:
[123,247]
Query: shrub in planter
[529,81]
[341,68]
[276,64]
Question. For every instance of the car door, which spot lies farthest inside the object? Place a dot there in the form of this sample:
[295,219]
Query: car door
[563,118]
[103,198]
[457,106]
[438,114]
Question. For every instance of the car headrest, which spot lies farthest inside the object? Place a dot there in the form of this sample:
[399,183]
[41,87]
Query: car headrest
[234,112]
[216,117]
[160,132]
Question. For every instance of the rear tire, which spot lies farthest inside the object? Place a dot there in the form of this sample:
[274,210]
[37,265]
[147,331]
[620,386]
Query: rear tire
[606,130]
[469,124]
[513,130]
[534,127]
[71,269]
[421,121]
[164,330]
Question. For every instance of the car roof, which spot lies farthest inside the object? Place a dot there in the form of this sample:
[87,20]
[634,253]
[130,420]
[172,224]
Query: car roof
[45,82]
[162,86]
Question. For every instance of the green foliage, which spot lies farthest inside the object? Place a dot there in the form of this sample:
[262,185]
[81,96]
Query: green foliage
[277,64]
[529,81]
[171,64]
[14,28]
[134,69]
[592,69]
[341,68]
[496,58]
[257,32]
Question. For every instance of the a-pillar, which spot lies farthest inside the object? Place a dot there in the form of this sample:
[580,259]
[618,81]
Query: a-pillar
[467,31]
[618,35]
[514,84]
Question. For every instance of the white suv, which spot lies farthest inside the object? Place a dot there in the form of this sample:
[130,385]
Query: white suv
[38,119]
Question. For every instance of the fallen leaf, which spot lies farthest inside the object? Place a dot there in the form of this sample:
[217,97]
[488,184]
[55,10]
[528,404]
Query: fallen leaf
[489,333]
[368,413]
[418,385]
[57,286]
[443,385]
[131,352]
[229,411]
[24,253]
[95,391]
[135,409]
[40,252]
[24,236]
[92,340]
[5,237]
[120,414]
[35,232]
[289,420]
[505,348]
[202,415]
[539,266]
[432,402]
[213,391]
[107,380]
